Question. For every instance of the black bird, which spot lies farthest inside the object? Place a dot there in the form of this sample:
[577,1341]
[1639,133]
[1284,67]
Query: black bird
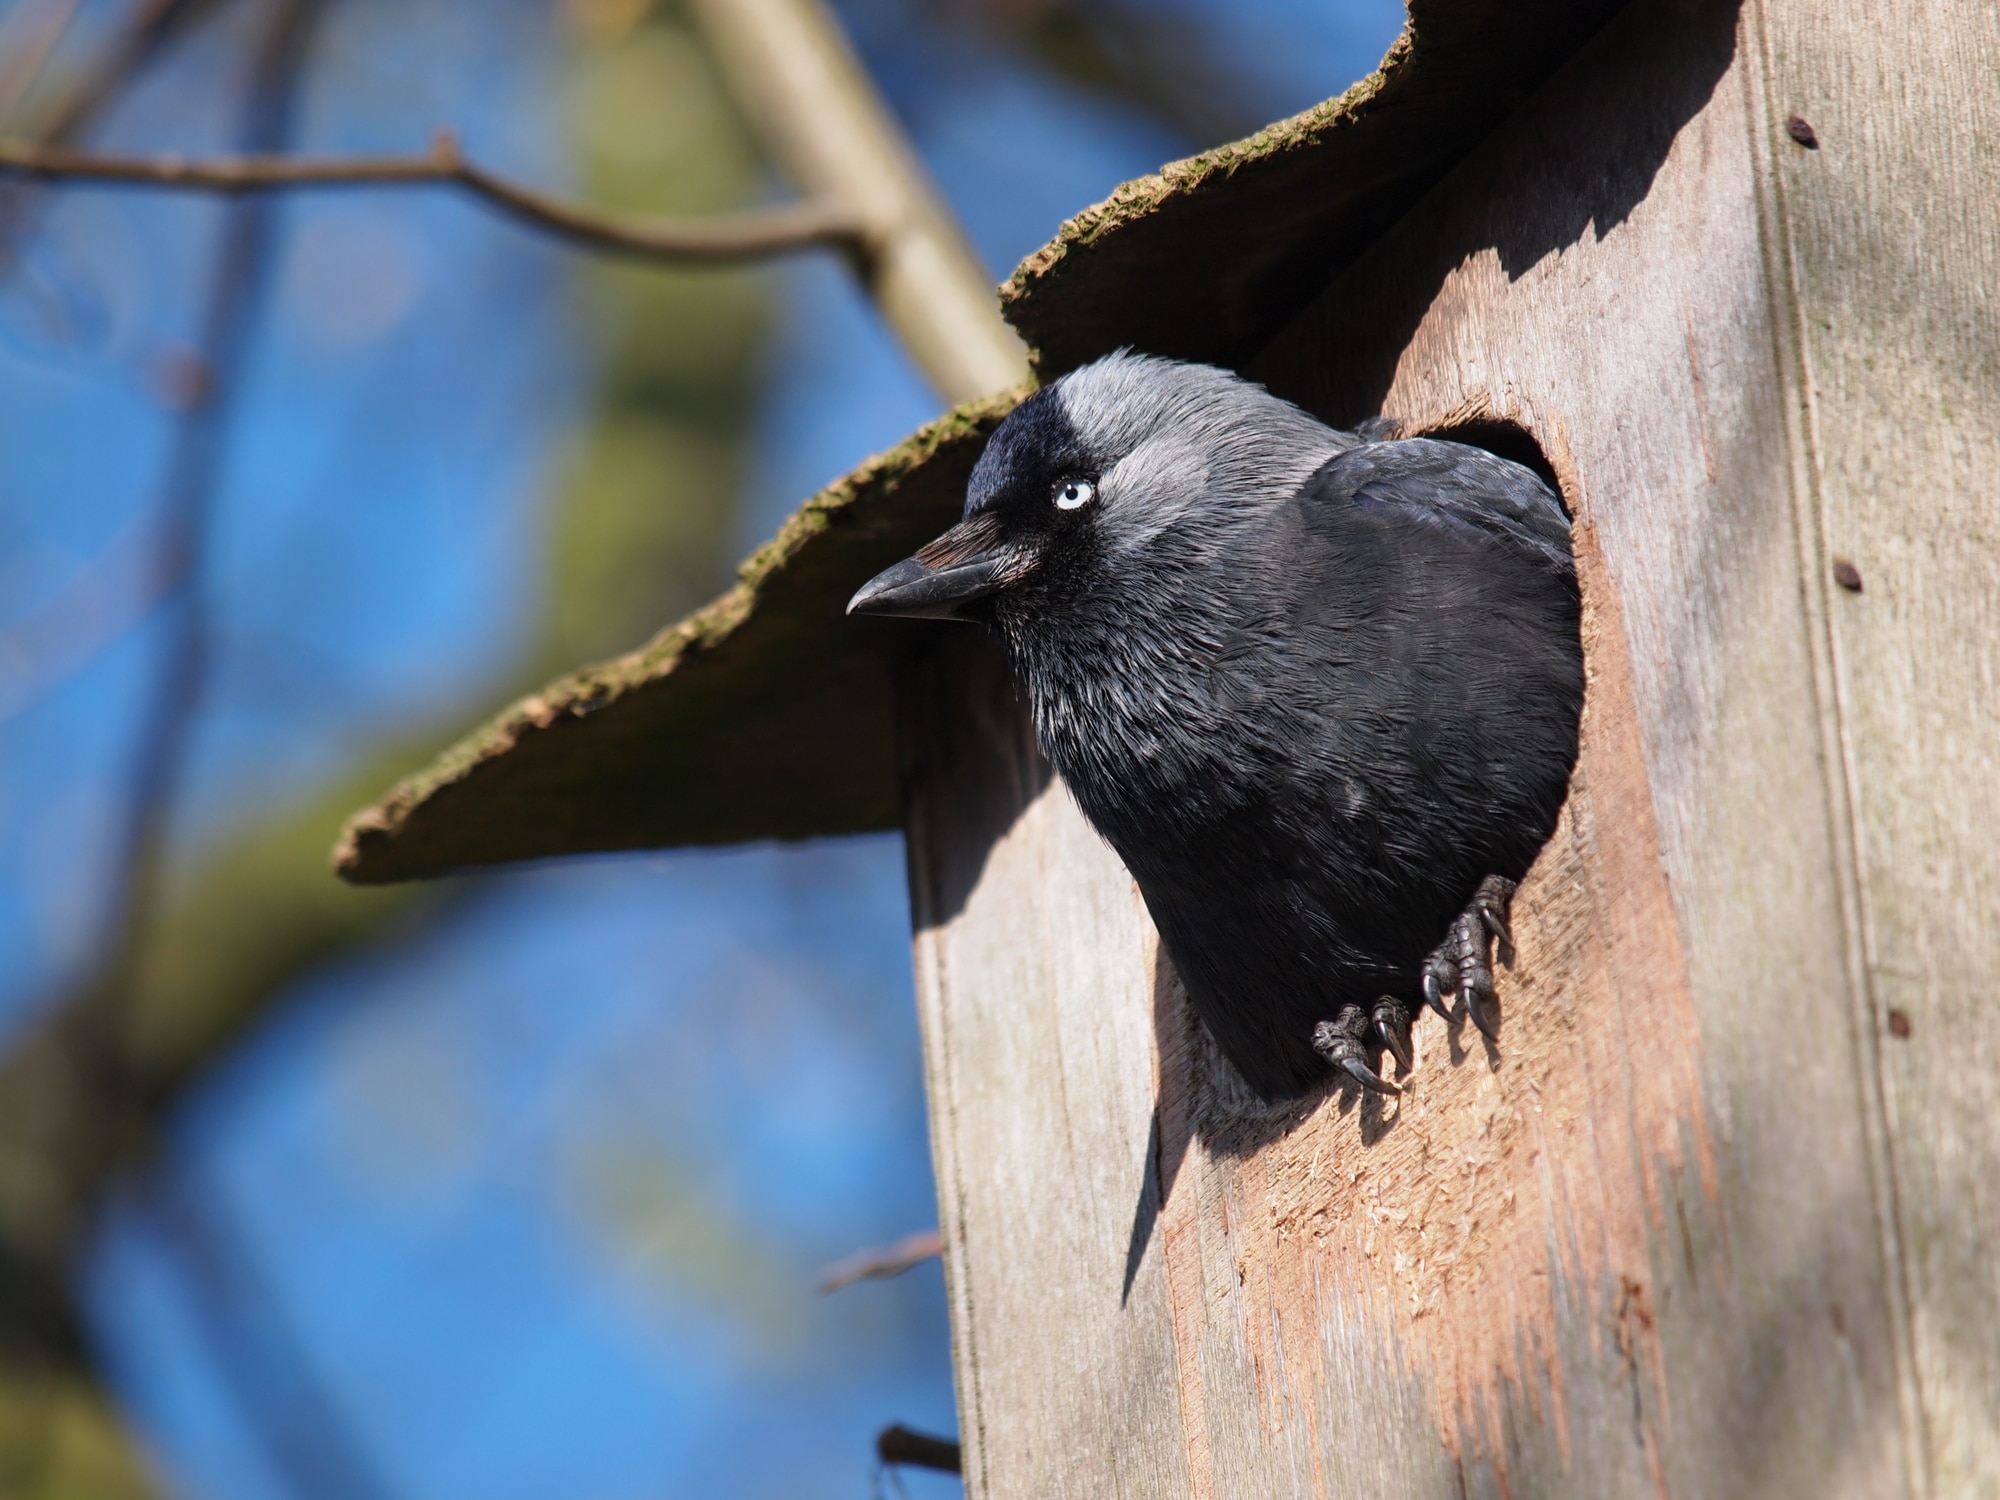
[1320,693]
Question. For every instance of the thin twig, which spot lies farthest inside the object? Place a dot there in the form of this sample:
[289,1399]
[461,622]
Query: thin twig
[741,236]
[892,1260]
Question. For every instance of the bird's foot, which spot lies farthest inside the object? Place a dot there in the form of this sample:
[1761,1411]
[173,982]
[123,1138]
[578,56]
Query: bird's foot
[1463,961]
[1349,1039]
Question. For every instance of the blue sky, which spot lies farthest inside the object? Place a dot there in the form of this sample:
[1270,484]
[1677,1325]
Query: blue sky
[529,1204]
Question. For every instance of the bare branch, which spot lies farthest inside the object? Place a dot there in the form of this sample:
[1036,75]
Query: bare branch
[742,236]
[791,68]
[891,1260]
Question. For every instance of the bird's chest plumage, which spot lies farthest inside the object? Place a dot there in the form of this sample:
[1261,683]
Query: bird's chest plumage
[1192,741]
[1123,707]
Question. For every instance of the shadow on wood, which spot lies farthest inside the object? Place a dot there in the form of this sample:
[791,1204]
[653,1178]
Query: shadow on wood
[1557,187]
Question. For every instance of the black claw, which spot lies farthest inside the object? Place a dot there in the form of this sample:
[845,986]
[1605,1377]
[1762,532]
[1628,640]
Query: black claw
[1434,994]
[1463,961]
[1340,1041]
[1392,1038]
[1495,906]
[1477,1011]
[1365,1076]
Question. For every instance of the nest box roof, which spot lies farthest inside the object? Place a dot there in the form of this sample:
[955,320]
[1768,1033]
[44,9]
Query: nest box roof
[768,714]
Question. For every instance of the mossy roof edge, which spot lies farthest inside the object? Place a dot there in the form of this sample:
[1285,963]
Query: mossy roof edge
[1209,257]
[504,792]
[1132,201]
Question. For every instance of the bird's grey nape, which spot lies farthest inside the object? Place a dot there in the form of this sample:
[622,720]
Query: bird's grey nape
[1173,440]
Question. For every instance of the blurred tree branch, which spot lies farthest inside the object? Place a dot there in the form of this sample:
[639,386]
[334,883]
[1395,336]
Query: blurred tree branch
[296,1419]
[739,236]
[98,605]
[1157,58]
[643,533]
[34,28]
[58,1433]
[820,115]
[155,24]
[73,1105]
[879,1262]
[201,952]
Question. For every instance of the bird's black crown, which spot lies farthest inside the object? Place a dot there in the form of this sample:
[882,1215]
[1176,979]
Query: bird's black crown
[1034,451]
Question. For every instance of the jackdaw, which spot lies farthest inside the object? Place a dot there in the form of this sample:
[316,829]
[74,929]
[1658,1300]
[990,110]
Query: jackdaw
[1320,693]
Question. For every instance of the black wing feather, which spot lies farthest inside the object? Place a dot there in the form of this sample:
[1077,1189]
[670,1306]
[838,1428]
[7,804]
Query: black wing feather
[1454,486]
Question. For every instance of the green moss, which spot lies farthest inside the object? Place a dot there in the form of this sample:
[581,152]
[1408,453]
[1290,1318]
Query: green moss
[1133,201]
[718,727]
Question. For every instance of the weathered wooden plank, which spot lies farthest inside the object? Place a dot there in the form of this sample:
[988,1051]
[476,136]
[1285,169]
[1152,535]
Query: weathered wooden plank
[1034,972]
[1890,254]
[1651,1244]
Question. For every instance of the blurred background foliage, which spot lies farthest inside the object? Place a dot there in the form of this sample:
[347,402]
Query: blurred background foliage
[644,530]
[508,1185]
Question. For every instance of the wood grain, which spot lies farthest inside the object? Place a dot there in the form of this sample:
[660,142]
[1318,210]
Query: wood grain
[1691,1229]
[1034,976]
[1889,267]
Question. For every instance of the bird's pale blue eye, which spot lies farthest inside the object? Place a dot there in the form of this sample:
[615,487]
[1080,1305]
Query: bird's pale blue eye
[1074,494]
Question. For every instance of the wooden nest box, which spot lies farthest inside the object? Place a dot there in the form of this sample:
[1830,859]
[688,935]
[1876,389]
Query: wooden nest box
[1720,1216]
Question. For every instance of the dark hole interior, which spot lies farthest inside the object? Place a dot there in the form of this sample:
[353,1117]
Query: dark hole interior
[1507,441]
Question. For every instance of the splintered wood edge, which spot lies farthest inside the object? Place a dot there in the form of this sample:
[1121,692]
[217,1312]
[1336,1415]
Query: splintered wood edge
[596,688]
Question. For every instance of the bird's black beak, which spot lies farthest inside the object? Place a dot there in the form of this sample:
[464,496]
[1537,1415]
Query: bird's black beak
[968,562]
